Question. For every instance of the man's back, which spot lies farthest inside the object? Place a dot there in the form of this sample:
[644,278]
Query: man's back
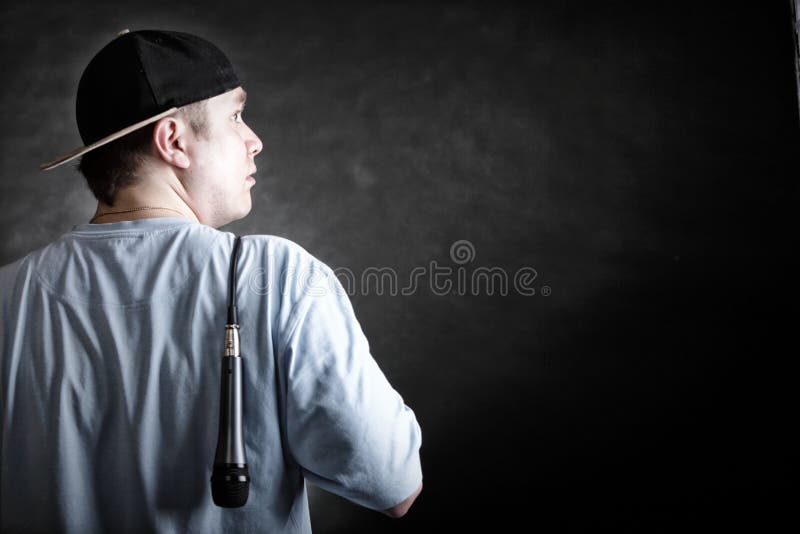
[111,345]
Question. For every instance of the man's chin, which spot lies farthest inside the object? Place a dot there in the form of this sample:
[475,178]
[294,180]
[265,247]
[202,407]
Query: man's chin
[241,215]
[248,207]
[231,218]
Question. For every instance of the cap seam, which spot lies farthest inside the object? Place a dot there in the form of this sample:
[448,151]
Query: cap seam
[156,99]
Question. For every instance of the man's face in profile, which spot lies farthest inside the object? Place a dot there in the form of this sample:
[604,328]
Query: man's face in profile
[218,180]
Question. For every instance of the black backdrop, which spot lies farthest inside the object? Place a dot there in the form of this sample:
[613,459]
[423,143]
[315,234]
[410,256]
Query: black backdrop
[639,156]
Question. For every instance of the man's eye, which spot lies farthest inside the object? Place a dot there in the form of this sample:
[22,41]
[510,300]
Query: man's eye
[237,117]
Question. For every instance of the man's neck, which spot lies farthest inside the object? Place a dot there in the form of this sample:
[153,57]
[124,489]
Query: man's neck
[105,216]
[147,199]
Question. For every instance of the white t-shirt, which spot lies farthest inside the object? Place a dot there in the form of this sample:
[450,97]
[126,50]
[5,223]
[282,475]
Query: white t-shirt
[112,338]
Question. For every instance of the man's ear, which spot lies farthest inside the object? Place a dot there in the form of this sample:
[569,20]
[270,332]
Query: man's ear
[170,139]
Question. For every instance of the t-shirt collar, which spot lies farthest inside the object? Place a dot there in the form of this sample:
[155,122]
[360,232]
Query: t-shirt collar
[139,225]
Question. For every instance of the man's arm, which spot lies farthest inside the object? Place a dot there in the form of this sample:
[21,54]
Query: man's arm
[400,510]
[346,426]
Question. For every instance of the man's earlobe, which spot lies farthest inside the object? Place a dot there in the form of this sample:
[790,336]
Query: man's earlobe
[181,159]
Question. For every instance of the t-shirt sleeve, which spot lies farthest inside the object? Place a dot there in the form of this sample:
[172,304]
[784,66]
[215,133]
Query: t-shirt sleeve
[346,426]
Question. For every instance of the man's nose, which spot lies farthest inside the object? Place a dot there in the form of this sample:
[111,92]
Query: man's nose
[254,145]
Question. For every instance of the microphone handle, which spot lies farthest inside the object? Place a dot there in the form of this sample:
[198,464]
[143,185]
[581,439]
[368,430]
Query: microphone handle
[230,480]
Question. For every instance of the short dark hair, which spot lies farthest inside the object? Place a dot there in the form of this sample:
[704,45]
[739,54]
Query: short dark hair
[114,166]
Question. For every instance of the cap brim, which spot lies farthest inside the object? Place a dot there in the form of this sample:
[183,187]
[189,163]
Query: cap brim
[83,150]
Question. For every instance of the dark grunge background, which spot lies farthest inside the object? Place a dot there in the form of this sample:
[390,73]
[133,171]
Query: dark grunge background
[640,156]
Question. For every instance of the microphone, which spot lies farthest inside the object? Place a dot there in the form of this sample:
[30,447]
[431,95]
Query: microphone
[230,480]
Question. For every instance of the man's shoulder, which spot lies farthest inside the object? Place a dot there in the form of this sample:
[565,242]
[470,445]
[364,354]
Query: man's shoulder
[275,244]
[10,272]
[274,263]
[14,276]
[281,251]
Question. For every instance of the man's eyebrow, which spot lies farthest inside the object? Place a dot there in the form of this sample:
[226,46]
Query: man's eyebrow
[242,97]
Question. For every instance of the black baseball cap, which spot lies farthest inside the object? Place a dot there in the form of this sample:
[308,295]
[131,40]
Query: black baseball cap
[140,77]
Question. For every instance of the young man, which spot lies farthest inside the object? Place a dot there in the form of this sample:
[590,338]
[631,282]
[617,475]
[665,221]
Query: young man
[111,335]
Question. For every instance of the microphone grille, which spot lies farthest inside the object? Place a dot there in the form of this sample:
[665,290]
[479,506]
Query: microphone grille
[230,485]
